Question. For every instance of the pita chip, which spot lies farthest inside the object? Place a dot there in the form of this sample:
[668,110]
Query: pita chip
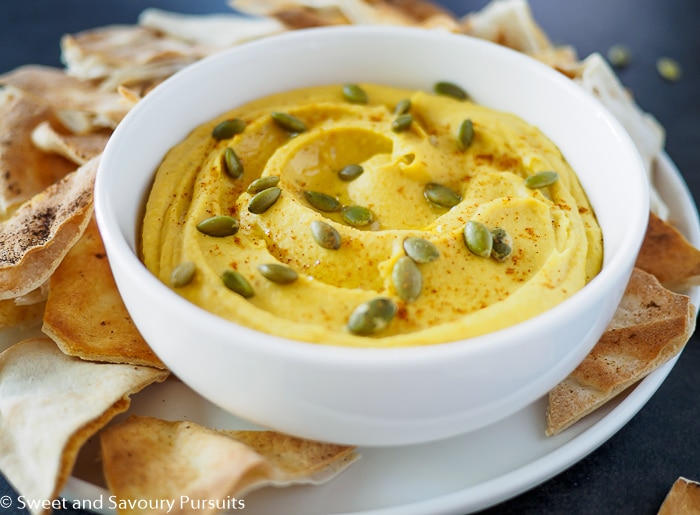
[85,314]
[50,404]
[13,314]
[152,459]
[682,499]
[37,236]
[117,55]
[668,255]
[509,23]
[78,104]
[650,326]
[24,169]
[77,148]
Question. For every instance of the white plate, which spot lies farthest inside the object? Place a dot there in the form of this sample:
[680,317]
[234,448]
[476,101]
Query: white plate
[454,476]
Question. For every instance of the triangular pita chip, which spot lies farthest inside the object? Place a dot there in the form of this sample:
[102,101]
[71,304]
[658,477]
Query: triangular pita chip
[24,169]
[650,326]
[50,404]
[42,230]
[24,315]
[152,459]
[77,148]
[682,499]
[85,314]
[668,255]
[78,104]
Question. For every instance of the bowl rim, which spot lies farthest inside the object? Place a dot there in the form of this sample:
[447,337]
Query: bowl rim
[121,253]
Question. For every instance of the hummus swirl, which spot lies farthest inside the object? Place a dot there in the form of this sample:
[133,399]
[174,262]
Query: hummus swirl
[555,239]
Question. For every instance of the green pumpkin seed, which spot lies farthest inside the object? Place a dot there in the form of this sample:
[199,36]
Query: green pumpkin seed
[402,122]
[478,238]
[355,94]
[619,56]
[228,128]
[441,196]
[541,180]
[502,244]
[407,279]
[263,200]
[218,226]
[288,122]
[450,89]
[403,107]
[669,69]
[372,316]
[350,172]
[232,164]
[357,216]
[182,274]
[262,184]
[325,235]
[235,282]
[465,134]
[322,201]
[277,273]
[420,250]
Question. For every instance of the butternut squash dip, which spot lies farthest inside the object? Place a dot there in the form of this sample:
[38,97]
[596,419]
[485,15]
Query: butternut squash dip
[370,216]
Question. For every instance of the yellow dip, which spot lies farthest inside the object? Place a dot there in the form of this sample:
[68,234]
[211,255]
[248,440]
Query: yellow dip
[556,241]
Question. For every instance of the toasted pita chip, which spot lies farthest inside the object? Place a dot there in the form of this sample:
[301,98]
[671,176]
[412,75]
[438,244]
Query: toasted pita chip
[509,23]
[315,13]
[152,459]
[78,104]
[77,148]
[212,32]
[682,499]
[668,255]
[50,404]
[596,76]
[651,325]
[24,169]
[42,230]
[124,54]
[13,314]
[85,314]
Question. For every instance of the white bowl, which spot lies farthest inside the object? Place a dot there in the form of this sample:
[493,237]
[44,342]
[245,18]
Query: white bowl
[376,397]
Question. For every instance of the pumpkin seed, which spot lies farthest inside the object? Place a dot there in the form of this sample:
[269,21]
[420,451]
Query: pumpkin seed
[450,89]
[402,107]
[182,274]
[402,122]
[420,250]
[465,134]
[218,226]
[669,69]
[232,164]
[478,238]
[325,235]
[619,56]
[288,122]
[322,201]
[541,180]
[440,195]
[263,200]
[407,279]
[502,244]
[355,94]
[350,172]
[235,282]
[372,316]
[228,128]
[277,273]
[357,216]
[262,184]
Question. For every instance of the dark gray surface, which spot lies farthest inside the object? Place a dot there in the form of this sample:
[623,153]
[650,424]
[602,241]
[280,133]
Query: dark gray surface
[631,473]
